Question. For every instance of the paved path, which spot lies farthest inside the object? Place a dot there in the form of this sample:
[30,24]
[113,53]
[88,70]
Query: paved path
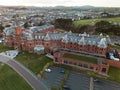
[91,83]
[35,83]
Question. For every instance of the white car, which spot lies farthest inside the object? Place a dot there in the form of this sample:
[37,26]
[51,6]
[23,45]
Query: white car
[48,70]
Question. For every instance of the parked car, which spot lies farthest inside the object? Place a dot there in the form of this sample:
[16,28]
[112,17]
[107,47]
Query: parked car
[48,70]
[96,80]
[62,71]
[66,88]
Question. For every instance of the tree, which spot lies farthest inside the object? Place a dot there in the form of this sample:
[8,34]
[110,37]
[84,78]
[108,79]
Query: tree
[63,24]
[26,25]
[1,28]
[84,28]
[108,28]
[103,26]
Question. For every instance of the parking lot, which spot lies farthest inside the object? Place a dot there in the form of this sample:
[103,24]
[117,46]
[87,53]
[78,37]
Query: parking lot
[78,81]
[75,81]
[106,85]
[53,78]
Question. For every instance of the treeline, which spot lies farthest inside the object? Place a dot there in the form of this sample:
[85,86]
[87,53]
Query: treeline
[108,28]
[99,27]
[65,24]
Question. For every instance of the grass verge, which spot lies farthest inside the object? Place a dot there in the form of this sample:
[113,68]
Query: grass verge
[10,80]
[63,81]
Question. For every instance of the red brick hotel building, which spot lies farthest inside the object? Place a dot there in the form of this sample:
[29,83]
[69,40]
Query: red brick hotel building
[44,39]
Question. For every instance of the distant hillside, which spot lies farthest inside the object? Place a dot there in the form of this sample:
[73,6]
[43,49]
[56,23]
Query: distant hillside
[64,7]
[93,21]
[87,7]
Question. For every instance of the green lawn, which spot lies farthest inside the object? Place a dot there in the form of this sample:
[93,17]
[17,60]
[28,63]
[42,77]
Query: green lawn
[4,48]
[10,80]
[115,47]
[33,61]
[81,58]
[114,74]
[93,21]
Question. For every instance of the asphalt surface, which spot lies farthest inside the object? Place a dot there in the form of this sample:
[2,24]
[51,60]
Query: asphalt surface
[78,81]
[35,83]
[53,78]
[106,85]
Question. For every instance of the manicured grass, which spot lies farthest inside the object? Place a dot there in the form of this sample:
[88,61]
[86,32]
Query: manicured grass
[33,61]
[115,47]
[4,48]
[81,58]
[114,74]
[10,80]
[93,21]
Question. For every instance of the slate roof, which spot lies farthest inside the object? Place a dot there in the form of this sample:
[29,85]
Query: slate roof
[82,39]
[9,31]
[39,28]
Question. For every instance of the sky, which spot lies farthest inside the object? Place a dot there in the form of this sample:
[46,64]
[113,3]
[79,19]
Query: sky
[40,3]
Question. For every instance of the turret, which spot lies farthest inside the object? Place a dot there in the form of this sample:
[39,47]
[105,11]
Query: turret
[18,30]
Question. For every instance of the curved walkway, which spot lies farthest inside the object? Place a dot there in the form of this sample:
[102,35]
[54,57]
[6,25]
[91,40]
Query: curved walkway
[35,83]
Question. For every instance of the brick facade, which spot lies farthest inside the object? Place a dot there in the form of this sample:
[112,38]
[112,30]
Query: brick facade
[26,40]
[98,68]
[113,63]
[20,43]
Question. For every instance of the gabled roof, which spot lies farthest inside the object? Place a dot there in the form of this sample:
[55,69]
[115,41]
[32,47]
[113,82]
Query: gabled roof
[9,31]
[40,28]
[102,43]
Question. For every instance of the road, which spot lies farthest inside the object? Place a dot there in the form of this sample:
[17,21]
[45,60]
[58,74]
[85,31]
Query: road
[35,83]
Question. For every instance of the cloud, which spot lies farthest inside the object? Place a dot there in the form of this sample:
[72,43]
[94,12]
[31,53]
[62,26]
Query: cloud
[62,2]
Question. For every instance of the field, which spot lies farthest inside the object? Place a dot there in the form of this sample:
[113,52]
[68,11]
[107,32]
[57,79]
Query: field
[10,80]
[33,61]
[93,21]
[81,58]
